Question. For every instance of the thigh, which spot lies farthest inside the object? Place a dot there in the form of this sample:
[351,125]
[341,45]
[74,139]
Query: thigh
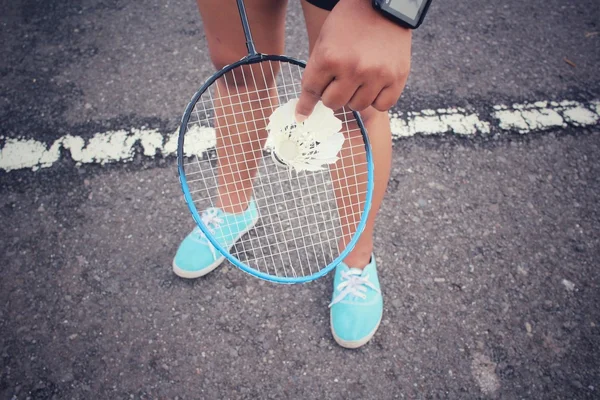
[225,35]
[315,18]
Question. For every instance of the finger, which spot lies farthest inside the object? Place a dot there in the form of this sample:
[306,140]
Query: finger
[314,82]
[338,93]
[387,98]
[364,97]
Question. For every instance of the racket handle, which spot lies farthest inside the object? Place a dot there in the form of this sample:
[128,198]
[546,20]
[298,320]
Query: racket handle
[246,26]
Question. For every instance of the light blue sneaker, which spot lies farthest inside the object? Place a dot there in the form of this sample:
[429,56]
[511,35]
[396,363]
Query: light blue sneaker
[197,256]
[357,305]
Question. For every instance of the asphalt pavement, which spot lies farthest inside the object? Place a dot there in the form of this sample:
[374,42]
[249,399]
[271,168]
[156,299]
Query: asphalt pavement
[488,243]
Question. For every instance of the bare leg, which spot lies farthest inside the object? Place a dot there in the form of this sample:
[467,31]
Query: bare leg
[350,176]
[240,131]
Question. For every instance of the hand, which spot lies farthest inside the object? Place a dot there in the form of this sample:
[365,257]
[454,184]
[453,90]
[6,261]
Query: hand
[360,59]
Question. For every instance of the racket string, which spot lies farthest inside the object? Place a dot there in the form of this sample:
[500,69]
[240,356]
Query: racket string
[303,217]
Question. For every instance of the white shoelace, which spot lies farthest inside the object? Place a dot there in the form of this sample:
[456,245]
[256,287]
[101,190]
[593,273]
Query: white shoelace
[210,219]
[353,284]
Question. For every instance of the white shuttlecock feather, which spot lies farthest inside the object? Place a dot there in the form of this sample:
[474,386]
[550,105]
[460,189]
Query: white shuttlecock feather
[306,146]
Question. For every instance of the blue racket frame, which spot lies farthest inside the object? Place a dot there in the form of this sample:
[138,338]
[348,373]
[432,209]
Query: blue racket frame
[252,58]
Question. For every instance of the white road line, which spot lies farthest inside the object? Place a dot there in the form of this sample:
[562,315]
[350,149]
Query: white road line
[118,146]
[436,122]
[543,115]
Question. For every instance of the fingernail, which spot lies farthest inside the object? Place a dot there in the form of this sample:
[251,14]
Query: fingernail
[300,118]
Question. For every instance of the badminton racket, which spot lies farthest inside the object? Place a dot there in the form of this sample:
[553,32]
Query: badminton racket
[311,183]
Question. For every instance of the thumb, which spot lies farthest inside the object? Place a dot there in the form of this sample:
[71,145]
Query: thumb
[314,82]
[306,104]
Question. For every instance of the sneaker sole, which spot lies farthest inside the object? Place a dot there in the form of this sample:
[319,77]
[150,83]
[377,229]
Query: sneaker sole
[354,344]
[184,273]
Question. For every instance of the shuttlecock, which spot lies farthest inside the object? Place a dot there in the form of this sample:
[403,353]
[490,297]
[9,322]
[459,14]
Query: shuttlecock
[306,146]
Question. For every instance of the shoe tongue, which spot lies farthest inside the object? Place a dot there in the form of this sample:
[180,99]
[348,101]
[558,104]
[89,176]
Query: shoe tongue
[355,271]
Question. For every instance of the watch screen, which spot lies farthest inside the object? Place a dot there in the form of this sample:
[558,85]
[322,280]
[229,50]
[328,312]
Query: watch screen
[410,8]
